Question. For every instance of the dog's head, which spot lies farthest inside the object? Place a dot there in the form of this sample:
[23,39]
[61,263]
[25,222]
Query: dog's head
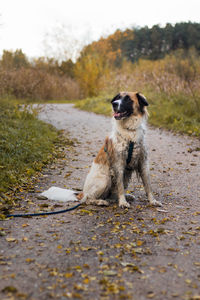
[126,104]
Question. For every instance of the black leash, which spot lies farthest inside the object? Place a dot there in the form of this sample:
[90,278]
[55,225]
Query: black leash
[44,213]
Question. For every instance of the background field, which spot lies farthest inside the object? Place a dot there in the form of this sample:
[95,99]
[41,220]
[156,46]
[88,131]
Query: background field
[161,62]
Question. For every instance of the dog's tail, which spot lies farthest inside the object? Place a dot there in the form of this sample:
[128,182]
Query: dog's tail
[64,195]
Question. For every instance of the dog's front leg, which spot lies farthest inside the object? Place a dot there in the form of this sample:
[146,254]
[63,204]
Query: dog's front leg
[120,188]
[144,173]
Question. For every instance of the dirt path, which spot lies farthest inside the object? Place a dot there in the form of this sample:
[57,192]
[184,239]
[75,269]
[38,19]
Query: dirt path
[108,253]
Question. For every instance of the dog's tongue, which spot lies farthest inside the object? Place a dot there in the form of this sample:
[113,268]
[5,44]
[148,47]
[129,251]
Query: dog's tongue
[115,114]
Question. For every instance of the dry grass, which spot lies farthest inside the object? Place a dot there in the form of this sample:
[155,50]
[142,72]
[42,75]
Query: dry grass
[36,85]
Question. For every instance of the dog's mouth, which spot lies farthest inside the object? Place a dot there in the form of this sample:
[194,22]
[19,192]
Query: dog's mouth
[120,115]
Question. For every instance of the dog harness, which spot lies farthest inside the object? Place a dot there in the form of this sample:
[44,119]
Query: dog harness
[130,152]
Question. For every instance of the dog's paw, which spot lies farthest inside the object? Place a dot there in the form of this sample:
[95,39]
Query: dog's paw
[154,202]
[124,204]
[98,202]
[102,203]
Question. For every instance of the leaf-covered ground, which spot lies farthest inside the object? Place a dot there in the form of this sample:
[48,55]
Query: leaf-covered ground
[107,252]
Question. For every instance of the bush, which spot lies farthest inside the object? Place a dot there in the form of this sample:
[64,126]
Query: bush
[36,84]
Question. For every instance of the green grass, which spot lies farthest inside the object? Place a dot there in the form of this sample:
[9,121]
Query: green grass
[26,145]
[176,113]
[98,105]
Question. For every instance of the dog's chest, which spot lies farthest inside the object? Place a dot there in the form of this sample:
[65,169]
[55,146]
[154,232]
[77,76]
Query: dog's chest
[130,153]
[134,156]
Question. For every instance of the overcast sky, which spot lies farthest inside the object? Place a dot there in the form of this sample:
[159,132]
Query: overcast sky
[25,24]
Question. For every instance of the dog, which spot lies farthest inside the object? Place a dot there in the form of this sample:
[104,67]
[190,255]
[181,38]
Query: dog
[123,152]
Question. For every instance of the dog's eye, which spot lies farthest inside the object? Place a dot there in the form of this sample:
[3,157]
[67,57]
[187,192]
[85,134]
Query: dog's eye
[127,98]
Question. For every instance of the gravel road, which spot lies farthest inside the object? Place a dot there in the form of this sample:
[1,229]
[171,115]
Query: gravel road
[107,252]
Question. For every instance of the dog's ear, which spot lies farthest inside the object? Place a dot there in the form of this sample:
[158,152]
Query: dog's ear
[117,97]
[142,101]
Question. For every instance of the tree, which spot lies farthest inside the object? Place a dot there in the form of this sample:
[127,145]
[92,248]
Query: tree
[67,67]
[14,60]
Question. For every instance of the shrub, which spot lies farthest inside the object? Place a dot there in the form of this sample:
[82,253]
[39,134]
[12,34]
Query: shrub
[36,84]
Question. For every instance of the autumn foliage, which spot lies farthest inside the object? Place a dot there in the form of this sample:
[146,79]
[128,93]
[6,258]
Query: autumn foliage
[41,79]
[163,62]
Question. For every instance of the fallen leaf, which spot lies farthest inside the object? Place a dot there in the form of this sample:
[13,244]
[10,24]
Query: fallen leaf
[9,289]
[173,249]
[131,267]
[150,295]
[68,275]
[29,260]
[195,297]
[138,250]
[188,281]
[10,239]
[110,273]
[140,243]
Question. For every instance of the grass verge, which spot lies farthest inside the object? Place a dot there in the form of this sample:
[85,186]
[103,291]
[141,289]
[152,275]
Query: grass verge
[174,113]
[26,145]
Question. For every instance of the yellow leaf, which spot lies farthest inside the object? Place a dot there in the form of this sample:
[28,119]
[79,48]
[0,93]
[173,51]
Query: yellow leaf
[10,239]
[86,280]
[139,243]
[196,213]
[25,225]
[118,245]
[188,281]
[68,275]
[53,273]
[29,260]
[162,270]
[173,249]
[77,267]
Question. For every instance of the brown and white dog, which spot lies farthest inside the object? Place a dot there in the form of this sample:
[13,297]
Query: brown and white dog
[123,152]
